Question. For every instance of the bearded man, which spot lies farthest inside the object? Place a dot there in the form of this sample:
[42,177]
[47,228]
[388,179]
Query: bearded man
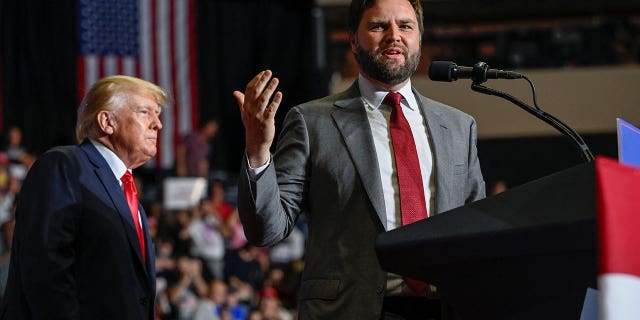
[364,161]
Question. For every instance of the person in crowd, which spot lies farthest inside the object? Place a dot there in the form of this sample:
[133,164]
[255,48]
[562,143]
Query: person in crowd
[212,305]
[270,306]
[16,152]
[364,161]
[207,242]
[192,155]
[6,238]
[245,272]
[189,287]
[81,247]
[237,310]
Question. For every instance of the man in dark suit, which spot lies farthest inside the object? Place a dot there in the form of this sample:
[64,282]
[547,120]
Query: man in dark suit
[335,162]
[81,246]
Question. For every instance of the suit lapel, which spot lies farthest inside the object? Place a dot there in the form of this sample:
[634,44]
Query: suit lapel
[116,195]
[440,143]
[351,120]
[150,263]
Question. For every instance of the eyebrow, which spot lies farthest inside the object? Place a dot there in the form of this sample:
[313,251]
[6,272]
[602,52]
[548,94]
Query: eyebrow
[373,21]
[152,108]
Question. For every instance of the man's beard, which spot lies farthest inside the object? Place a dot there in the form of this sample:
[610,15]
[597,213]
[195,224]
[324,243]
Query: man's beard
[375,66]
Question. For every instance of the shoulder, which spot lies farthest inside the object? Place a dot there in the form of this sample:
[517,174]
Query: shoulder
[443,110]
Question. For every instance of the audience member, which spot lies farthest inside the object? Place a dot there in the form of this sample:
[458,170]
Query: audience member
[211,306]
[190,287]
[192,155]
[16,152]
[270,306]
[207,243]
[245,272]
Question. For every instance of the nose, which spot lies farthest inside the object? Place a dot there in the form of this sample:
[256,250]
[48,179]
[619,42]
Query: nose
[156,124]
[393,33]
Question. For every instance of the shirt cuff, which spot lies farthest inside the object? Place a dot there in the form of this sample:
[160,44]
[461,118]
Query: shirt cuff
[255,173]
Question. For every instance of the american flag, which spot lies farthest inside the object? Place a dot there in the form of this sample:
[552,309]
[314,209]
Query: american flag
[150,39]
[618,239]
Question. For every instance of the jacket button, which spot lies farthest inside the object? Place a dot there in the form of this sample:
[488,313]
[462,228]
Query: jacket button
[143,301]
[380,290]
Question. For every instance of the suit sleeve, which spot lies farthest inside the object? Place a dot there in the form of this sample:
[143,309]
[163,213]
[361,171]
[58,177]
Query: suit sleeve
[475,184]
[270,204]
[45,240]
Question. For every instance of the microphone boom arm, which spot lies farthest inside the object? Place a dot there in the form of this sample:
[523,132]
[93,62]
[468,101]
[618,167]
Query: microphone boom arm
[540,114]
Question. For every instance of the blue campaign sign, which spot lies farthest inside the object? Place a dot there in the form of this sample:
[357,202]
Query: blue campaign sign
[628,143]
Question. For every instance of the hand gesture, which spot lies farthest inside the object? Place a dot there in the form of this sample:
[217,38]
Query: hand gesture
[258,107]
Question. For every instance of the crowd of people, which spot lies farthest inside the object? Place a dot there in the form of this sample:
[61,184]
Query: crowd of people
[205,268]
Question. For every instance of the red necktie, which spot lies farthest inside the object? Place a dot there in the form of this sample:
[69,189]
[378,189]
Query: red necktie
[131,195]
[412,203]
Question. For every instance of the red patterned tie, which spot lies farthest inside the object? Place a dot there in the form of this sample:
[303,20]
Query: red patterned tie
[131,194]
[412,202]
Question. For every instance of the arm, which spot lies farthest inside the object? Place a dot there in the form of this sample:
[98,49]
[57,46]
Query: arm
[475,184]
[46,237]
[258,116]
[269,204]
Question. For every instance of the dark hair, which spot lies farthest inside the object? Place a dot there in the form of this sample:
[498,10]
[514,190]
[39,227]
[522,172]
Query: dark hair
[357,8]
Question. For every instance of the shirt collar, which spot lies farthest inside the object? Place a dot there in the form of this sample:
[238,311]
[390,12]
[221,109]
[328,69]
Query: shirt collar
[373,96]
[116,165]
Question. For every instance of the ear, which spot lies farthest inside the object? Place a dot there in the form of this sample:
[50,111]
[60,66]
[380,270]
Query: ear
[106,122]
[353,42]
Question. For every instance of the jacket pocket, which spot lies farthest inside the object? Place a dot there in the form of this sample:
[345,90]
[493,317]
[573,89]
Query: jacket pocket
[459,169]
[325,289]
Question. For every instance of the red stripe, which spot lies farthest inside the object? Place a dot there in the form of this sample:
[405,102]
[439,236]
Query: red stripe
[138,68]
[193,71]
[120,65]
[101,67]
[154,41]
[81,78]
[154,65]
[618,218]
[174,87]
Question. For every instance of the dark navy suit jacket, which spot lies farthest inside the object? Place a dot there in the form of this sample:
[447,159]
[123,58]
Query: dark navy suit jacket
[75,251]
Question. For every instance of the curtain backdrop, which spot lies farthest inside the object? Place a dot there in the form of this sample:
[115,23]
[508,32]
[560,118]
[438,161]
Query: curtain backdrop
[237,39]
[38,70]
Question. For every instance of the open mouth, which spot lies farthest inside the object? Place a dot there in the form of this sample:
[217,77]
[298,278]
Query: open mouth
[393,52]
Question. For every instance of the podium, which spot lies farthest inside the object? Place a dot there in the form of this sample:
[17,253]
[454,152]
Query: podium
[527,253]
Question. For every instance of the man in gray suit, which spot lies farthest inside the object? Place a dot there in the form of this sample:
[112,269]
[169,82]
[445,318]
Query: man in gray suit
[335,162]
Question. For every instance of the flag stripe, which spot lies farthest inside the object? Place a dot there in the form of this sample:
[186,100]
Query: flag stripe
[619,296]
[193,83]
[172,58]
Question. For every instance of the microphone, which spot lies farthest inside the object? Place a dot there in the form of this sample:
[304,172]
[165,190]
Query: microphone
[448,71]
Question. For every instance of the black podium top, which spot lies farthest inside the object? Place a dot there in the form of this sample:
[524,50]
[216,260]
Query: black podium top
[528,253]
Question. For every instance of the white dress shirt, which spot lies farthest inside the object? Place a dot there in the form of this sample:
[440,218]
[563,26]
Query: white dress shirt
[379,115]
[116,165]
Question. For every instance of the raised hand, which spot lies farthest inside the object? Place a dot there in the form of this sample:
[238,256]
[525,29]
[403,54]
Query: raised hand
[258,106]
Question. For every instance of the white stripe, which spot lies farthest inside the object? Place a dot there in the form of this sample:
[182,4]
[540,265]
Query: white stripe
[183,95]
[110,65]
[619,296]
[129,66]
[145,52]
[90,71]
[164,74]
[145,60]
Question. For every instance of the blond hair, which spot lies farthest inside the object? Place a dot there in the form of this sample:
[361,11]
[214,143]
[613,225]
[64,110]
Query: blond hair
[110,94]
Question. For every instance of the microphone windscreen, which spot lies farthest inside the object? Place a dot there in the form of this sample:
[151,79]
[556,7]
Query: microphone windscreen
[441,71]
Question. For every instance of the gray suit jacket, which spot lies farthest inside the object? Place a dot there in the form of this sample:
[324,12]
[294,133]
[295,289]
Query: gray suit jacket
[325,166]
